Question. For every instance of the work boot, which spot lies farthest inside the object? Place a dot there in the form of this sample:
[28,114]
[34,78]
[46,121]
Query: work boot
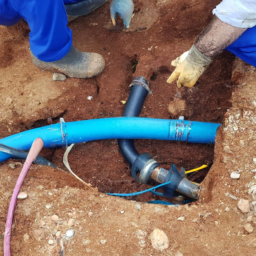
[82,8]
[74,64]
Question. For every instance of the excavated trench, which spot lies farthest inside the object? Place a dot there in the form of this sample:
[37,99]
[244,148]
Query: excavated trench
[100,162]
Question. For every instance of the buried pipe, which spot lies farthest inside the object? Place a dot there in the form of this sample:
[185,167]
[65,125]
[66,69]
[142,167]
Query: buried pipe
[145,164]
[63,134]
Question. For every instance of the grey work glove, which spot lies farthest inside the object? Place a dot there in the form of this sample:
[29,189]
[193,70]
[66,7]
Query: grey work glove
[189,67]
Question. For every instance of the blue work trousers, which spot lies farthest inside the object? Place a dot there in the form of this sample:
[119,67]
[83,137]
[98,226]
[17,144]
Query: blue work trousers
[50,38]
[245,46]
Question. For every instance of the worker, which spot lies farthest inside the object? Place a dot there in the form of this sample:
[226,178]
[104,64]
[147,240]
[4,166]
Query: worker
[233,28]
[50,39]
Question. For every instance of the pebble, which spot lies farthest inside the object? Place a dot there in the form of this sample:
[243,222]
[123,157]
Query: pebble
[50,242]
[90,214]
[159,240]
[22,195]
[142,243]
[138,207]
[244,205]
[58,77]
[26,237]
[227,209]
[86,241]
[55,218]
[48,206]
[254,160]
[249,218]
[122,212]
[89,98]
[179,254]
[235,175]
[141,234]
[231,196]
[70,234]
[15,165]
[181,218]
[103,241]
[58,234]
[71,222]
[248,228]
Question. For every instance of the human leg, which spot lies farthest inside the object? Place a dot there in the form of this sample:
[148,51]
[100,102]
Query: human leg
[77,8]
[51,40]
[8,16]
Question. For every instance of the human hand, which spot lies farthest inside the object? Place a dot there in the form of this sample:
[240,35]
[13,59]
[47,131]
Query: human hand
[189,67]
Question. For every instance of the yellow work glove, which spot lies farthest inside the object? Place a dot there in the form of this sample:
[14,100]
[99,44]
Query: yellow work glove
[189,67]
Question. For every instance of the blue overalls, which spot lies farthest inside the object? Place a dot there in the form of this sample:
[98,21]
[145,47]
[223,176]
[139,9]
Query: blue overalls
[245,46]
[50,38]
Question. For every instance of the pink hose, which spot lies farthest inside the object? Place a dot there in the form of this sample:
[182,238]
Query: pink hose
[35,149]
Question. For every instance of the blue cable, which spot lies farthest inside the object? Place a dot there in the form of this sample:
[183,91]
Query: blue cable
[141,192]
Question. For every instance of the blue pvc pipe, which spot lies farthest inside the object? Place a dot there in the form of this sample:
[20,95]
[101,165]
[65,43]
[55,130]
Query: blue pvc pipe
[63,134]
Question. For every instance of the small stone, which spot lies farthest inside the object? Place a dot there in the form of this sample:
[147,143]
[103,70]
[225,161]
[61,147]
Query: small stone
[22,195]
[141,234]
[254,170]
[235,175]
[26,237]
[86,241]
[71,222]
[254,160]
[89,98]
[55,218]
[58,234]
[15,165]
[48,206]
[90,214]
[244,205]
[216,223]
[181,218]
[50,242]
[231,196]
[242,143]
[248,228]
[178,254]
[122,212]
[103,241]
[227,149]
[58,77]
[70,234]
[227,209]
[159,240]
[249,218]
[142,243]
[138,207]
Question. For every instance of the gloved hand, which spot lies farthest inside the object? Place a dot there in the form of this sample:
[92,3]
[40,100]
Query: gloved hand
[189,67]
[124,8]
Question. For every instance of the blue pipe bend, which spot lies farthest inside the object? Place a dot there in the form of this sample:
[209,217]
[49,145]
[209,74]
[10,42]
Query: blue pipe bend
[63,134]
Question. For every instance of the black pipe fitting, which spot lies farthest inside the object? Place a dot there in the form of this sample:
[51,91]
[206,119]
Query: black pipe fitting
[145,164]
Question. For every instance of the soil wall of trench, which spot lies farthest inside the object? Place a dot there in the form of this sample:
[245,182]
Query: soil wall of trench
[221,222]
